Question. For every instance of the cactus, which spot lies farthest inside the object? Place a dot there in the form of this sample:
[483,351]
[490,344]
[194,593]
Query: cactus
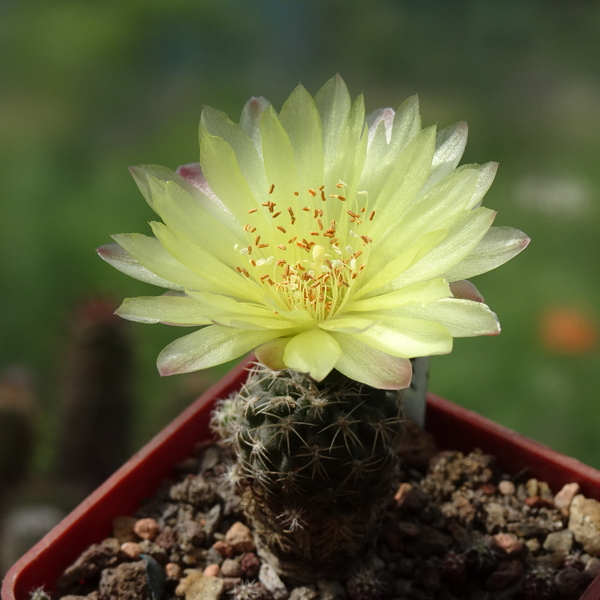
[317,464]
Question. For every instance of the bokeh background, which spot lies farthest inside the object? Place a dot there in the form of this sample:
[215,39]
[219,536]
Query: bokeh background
[88,88]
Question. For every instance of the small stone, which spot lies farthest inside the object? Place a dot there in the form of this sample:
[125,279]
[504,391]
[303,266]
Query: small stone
[572,582]
[269,578]
[173,571]
[250,564]
[92,561]
[210,458]
[593,567]
[584,522]
[539,502]
[410,497]
[507,488]
[408,528]
[563,499]
[166,538]
[533,545]
[303,593]
[559,541]
[147,529]
[488,488]
[239,537]
[231,568]
[532,488]
[132,549]
[212,570]
[127,581]
[545,492]
[197,586]
[224,549]
[494,519]
[508,543]
[123,529]
[213,520]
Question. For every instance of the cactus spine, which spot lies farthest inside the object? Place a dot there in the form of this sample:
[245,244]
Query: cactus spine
[316,463]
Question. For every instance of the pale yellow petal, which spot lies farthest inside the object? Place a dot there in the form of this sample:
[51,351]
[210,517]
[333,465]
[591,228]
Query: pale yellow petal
[364,363]
[173,310]
[213,345]
[314,352]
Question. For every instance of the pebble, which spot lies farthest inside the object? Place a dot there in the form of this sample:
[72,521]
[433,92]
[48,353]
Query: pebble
[507,487]
[197,586]
[147,529]
[173,571]
[559,541]
[593,567]
[212,570]
[213,520]
[533,545]
[508,543]
[132,549]
[563,499]
[231,582]
[224,549]
[231,568]
[269,578]
[239,537]
[303,593]
[584,522]
[250,564]
[532,488]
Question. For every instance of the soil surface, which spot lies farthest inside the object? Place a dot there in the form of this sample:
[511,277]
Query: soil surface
[457,529]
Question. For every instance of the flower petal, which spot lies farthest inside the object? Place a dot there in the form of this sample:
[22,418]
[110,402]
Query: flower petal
[468,229]
[217,123]
[398,336]
[499,245]
[333,103]
[300,119]
[114,255]
[213,345]
[186,214]
[173,310]
[423,293]
[449,147]
[271,353]
[278,156]
[466,290]
[149,252]
[222,278]
[463,318]
[370,366]
[314,352]
[250,119]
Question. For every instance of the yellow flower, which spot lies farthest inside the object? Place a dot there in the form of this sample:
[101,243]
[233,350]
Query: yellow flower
[320,239]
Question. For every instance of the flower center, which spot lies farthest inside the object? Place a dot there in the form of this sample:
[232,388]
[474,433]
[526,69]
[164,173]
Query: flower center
[309,250]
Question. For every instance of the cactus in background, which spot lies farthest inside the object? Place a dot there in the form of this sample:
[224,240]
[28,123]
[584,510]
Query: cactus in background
[316,461]
[97,401]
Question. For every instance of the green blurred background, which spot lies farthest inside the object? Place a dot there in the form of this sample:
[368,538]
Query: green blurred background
[88,88]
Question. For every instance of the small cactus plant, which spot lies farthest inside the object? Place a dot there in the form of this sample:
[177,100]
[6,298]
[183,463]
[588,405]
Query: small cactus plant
[317,463]
[337,246]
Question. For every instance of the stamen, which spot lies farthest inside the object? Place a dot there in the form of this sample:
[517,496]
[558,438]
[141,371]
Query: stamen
[277,214]
[252,210]
[271,188]
[371,215]
[281,247]
[282,229]
[312,192]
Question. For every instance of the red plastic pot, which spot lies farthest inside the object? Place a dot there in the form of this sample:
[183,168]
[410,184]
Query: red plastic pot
[452,426]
